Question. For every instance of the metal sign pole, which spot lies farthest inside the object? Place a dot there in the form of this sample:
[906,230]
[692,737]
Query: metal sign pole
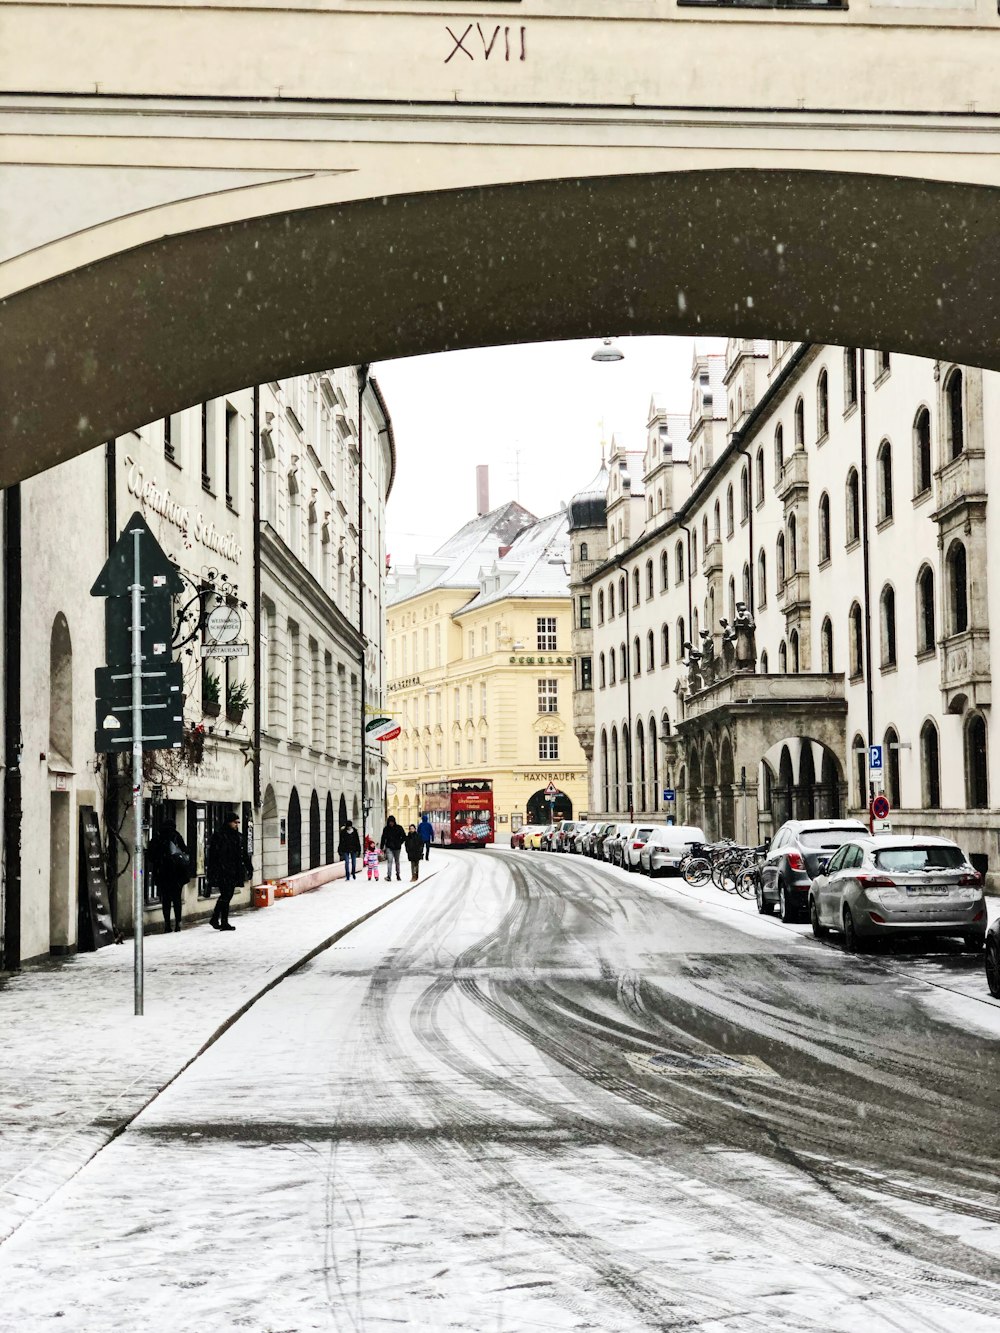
[137,854]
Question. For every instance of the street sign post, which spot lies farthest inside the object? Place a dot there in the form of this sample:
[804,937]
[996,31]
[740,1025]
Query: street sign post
[139,581]
[879,811]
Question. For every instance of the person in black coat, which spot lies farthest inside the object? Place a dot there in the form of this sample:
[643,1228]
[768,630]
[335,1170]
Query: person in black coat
[393,838]
[170,862]
[228,868]
[414,851]
[349,848]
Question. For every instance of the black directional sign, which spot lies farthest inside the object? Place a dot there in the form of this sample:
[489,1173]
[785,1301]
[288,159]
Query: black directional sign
[157,572]
[156,630]
[162,708]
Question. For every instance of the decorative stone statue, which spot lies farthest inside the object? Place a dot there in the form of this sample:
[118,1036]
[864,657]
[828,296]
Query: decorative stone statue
[728,654]
[744,628]
[693,664]
[708,659]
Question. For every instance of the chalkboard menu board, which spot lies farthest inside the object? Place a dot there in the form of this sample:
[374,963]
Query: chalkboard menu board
[96,926]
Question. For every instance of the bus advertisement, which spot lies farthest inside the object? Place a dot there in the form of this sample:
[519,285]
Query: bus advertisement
[460,810]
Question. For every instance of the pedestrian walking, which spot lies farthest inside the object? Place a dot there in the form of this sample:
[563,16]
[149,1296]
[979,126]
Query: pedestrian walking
[371,859]
[349,848]
[414,851]
[426,831]
[391,843]
[170,862]
[228,868]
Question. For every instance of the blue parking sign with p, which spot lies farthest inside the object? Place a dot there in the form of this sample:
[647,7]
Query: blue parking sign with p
[875,756]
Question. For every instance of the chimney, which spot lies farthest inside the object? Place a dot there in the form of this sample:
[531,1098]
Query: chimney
[482,490]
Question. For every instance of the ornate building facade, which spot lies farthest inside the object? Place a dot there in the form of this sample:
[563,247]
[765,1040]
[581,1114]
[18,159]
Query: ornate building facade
[812,580]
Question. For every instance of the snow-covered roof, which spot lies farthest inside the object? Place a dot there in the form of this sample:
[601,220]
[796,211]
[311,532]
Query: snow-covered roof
[537,565]
[456,563]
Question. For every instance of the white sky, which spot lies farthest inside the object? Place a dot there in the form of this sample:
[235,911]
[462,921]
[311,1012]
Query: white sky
[454,410]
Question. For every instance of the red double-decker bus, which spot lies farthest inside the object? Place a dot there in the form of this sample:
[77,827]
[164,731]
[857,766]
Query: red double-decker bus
[461,811]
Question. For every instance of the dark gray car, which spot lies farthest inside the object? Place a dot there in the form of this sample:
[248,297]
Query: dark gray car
[798,852]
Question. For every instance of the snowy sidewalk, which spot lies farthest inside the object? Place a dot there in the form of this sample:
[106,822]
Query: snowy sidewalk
[76,1065]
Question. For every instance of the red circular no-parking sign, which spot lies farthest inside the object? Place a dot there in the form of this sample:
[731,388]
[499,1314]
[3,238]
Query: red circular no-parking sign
[880,807]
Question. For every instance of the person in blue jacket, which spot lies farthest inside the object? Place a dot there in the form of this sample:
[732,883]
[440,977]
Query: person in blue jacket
[426,830]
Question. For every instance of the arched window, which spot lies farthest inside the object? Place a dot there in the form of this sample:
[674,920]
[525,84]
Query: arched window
[665,645]
[884,464]
[654,761]
[615,771]
[636,657]
[780,560]
[793,545]
[856,641]
[635,586]
[649,578]
[583,551]
[730,513]
[611,601]
[976,773]
[622,593]
[783,658]
[747,589]
[793,645]
[922,472]
[824,528]
[694,553]
[694,626]
[826,646]
[822,405]
[763,663]
[612,660]
[930,767]
[704,536]
[622,662]
[887,625]
[680,638]
[650,651]
[779,453]
[958,589]
[744,494]
[800,424]
[731,609]
[602,673]
[659,499]
[600,607]
[954,416]
[760,476]
[850,378]
[890,759]
[649,507]
[853,508]
[664,571]
[679,563]
[716,522]
[926,626]
[604,769]
[761,580]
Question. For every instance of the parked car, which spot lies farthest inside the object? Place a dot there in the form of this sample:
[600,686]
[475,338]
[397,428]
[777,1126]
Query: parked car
[798,852]
[665,848]
[579,834]
[518,836]
[993,958]
[594,840]
[874,887]
[533,838]
[611,849]
[633,843]
[561,833]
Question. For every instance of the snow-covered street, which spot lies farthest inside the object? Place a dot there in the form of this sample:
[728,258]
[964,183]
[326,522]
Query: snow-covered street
[541,1093]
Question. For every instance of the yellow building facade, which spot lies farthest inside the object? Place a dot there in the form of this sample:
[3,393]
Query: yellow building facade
[481,673]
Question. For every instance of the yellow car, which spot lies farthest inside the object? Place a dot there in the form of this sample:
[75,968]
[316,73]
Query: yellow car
[532,839]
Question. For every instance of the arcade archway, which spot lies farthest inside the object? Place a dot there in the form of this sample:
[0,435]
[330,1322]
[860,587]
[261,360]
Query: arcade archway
[538,808]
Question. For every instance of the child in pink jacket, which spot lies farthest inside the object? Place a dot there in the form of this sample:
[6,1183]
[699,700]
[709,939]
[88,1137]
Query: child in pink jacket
[370,859]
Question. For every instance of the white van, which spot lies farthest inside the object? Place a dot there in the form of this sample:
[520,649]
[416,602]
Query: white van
[667,846]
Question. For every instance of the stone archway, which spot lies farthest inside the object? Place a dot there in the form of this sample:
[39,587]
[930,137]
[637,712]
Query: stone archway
[727,793]
[294,833]
[271,834]
[315,831]
[537,808]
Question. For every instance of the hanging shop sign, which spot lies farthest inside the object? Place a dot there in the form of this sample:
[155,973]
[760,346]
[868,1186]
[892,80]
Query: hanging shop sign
[225,650]
[382,729]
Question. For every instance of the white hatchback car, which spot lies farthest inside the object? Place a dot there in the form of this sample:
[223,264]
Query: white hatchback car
[633,843]
[666,848]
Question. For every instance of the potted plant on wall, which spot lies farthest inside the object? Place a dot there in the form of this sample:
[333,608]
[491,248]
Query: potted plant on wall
[237,700]
[210,694]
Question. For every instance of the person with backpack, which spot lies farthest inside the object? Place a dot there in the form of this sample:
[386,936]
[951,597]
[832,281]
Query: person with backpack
[227,869]
[170,863]
[392,841]
[349,848]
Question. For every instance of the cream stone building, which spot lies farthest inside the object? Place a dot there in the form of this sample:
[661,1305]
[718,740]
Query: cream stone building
[481,672]
[838,498]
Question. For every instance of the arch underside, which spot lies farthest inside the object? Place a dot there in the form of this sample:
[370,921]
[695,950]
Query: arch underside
[879,261]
